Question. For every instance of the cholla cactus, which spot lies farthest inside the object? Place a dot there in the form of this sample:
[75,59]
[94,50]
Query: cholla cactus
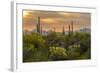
[57,53]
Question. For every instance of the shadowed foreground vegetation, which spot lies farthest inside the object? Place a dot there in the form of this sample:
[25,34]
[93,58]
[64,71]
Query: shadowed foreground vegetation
[56,47]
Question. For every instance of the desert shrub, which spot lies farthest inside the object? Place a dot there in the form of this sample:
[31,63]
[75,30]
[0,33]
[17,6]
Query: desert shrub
[85,55]
[28,50]
[74,51]
[54,39]
[57,53]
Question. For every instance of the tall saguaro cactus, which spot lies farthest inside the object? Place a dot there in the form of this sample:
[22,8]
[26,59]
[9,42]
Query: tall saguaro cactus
[69,30]
[38,25]
[41,30]
[54,29]
[63,31]
[72,26]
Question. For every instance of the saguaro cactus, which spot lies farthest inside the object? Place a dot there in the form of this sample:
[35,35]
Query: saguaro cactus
[69,30]
[54,29]
[72,26]
[41,30]
[38,25]
[63,30]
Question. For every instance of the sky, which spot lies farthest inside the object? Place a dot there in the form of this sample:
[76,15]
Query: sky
[55,19]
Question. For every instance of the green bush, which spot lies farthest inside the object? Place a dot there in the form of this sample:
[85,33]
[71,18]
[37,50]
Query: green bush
[74,51]
[57,53]
[55,39]
[28,51]
[56,46]
[85,55]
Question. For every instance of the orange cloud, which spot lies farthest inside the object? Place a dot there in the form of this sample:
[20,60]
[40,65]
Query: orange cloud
[69,14]
[48,20]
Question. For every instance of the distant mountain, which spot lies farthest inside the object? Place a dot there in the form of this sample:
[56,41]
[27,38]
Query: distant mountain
[43,32]
[88,30]
[26,32]
[34,30]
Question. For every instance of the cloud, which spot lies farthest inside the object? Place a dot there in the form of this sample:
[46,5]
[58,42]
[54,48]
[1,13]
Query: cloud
[51,19]
[48,20]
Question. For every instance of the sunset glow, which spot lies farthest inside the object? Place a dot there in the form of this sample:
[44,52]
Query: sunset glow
[25,13]
[52,19]
[48,20]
